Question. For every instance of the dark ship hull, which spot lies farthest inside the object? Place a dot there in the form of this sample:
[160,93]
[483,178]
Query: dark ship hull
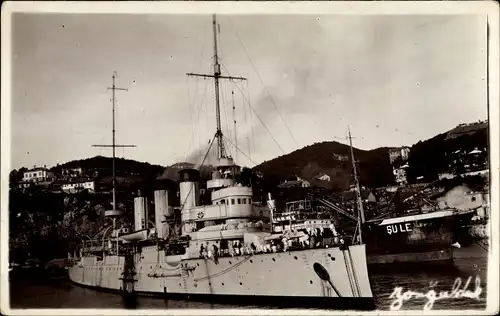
[426,237]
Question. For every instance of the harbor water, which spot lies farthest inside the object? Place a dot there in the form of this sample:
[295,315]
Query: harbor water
[469,263]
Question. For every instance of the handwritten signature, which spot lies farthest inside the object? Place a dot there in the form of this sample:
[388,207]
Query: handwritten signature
[432,296]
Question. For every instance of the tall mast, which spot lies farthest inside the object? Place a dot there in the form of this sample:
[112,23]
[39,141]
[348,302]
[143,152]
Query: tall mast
[114,145]
[361,213]
[217,75]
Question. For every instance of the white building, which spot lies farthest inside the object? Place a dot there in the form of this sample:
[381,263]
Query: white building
[400,175]
[76,186]
[38,174]
[72,172]
[403,152]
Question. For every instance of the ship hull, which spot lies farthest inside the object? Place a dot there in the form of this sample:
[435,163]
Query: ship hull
[411,239]
[279,279]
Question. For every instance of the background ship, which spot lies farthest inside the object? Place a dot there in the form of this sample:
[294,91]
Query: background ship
[425,232]
[220,251]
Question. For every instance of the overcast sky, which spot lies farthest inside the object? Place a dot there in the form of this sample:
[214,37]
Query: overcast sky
[394,79]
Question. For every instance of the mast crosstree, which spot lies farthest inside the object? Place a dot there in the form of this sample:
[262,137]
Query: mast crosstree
[217,75]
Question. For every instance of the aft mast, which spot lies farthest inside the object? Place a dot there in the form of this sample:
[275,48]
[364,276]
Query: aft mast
[217,75]
[114,213]
[359,201]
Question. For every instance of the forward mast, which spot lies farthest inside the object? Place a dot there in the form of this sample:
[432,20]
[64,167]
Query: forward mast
[217,75]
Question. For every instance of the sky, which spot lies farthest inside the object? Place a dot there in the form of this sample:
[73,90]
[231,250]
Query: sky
[395,80]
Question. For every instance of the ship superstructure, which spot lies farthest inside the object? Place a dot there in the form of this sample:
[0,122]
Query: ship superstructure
[223,250]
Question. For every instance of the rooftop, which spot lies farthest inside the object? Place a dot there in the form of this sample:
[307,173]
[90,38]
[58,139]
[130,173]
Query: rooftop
[37,169]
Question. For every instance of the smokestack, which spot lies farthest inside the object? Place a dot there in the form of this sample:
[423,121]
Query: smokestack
[161,211]
[139,213]
[189,188]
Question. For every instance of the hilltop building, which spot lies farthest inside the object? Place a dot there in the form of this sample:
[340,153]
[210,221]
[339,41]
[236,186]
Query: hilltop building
[37,175]
[401,152]
[75,172]
[76,185]
[398,158]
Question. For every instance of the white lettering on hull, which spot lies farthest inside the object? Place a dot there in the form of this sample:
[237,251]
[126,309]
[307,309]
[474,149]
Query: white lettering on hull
[398,228]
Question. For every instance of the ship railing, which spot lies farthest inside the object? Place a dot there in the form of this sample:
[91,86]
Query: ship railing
[276,245]
[317,212]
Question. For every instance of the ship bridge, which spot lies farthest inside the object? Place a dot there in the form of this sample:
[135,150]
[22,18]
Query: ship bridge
[231,202]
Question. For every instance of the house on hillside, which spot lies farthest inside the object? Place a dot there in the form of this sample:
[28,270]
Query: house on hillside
[339,157]
[400,152]
[25,184]
[462,160]
[76,185]
[297,183]
[76,172]
[38,175]
[400,174]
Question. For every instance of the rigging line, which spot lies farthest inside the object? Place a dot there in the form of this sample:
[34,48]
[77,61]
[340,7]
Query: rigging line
[191,103]
[251,120]
[253,110]
[241,151]
[199,66]
[191,110]
[265,88]
[224,105]
[201,165]
[246,124]
[197,119]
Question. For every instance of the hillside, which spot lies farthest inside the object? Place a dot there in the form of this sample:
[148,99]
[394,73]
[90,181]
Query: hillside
[102,165]
[332,159]
[426,160]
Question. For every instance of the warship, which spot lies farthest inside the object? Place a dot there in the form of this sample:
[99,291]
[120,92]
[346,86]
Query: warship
[225,251]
